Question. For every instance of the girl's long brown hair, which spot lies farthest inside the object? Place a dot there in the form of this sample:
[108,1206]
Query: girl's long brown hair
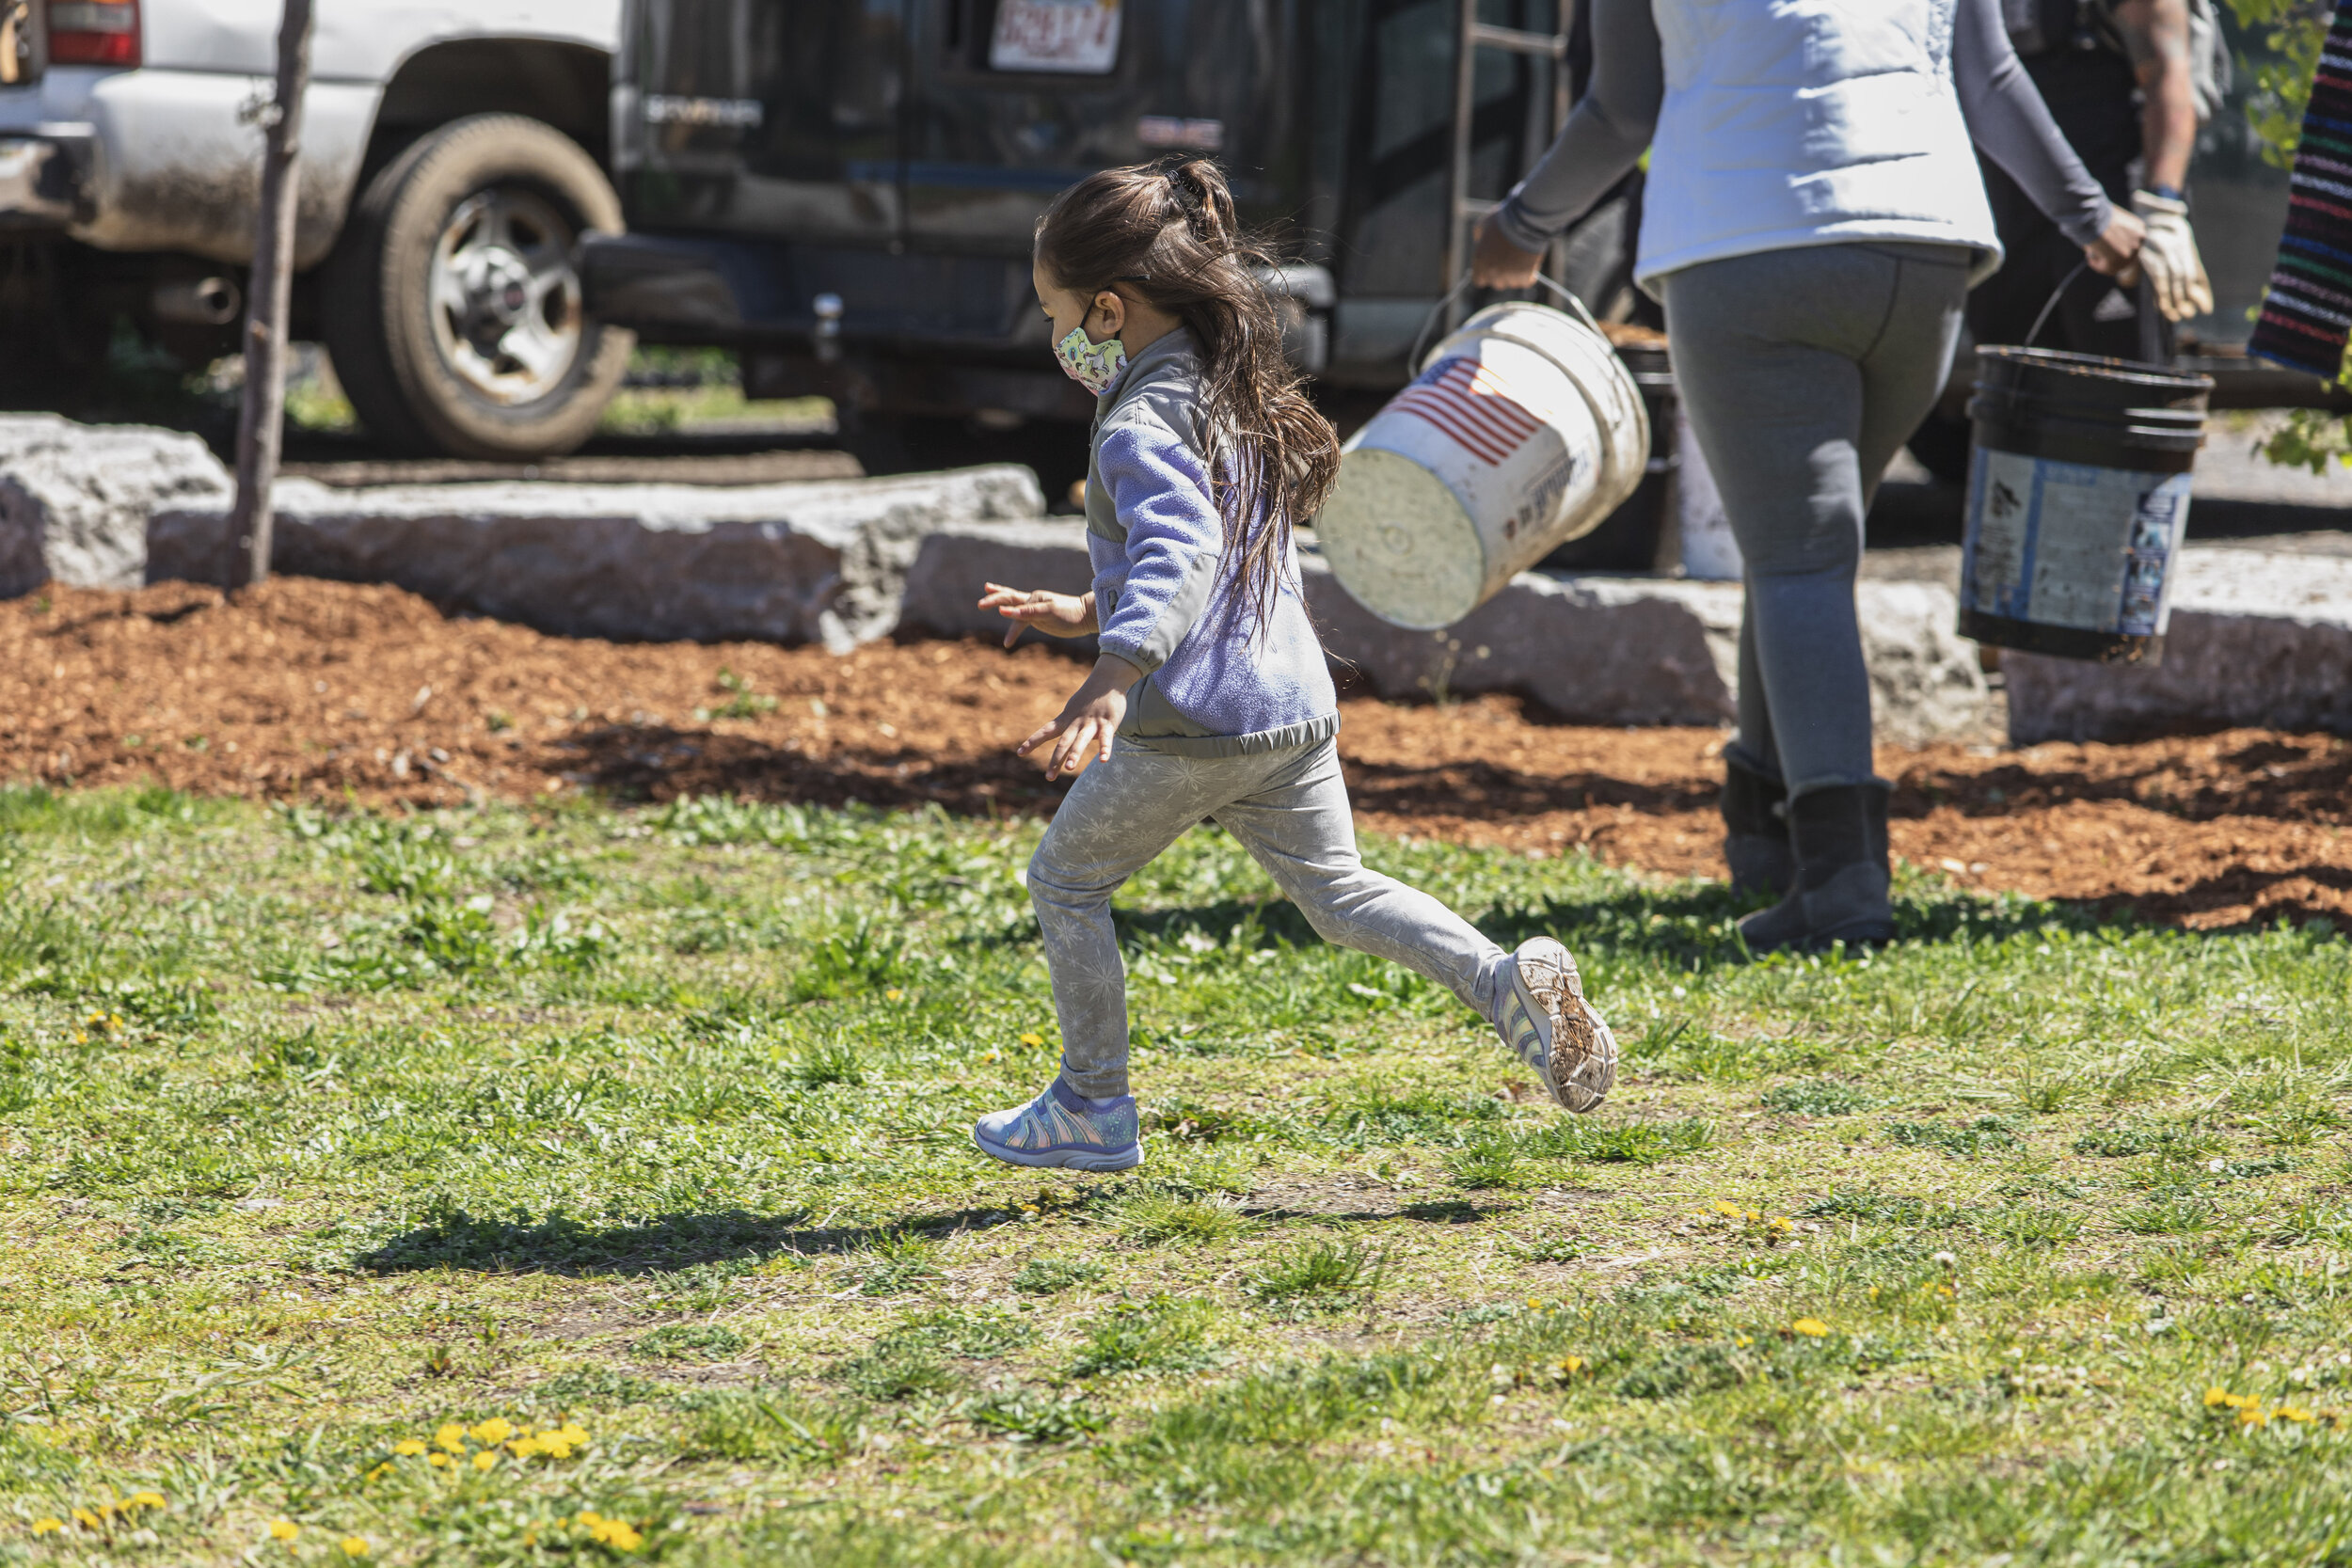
[1167,232]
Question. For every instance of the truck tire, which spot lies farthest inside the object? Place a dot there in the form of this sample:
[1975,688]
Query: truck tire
[449,303]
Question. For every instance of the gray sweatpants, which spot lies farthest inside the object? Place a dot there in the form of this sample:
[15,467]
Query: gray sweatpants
[1289,809]
[1803,370]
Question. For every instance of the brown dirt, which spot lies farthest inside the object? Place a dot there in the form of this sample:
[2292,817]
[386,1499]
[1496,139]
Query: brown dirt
[307,689]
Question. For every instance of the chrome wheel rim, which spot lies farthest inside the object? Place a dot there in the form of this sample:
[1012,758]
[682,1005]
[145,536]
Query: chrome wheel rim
[504,297]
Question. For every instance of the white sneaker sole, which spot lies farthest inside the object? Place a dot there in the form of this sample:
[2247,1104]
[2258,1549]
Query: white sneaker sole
[1063,1159]
[1581,1053]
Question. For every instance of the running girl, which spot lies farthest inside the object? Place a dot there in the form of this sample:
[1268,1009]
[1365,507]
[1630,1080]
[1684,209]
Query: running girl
[1206,455]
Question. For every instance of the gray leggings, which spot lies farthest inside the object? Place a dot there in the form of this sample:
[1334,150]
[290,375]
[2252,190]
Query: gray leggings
[1289,809]
[1803,370]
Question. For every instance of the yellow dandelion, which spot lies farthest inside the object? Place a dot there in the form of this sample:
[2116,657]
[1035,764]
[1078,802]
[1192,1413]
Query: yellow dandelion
[2216,1397]
[439,1461]
[894,994]
[2293,1413]
[114,1021]
[45,1527]
[1742,1340]
[485,1459]
[496,1430]
[80,1038]
[88,1520]
[523,1448]
[590,1519]
[147,1499]
[408,1448]
[1812,1328]
[1032,1038]
[2253,1419]
[1729,1210]
[452,1436]
[283,1529]
[355,1545]
[572,1432]
[1534,1304]
[1781,1222]
[622,1537]
[553,1445]
[380,1471]
[1571,1363]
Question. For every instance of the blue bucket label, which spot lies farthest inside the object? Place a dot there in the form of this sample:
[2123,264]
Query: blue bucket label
[2071,544]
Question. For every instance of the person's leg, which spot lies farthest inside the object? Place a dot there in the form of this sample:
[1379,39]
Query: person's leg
[1298,826]
[1117,816]
[1803,370]
[1754,800]
[1903,373]
[1767,351]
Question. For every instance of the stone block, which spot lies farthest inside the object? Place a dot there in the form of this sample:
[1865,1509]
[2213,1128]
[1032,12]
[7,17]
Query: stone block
[1593,649]
[2257,638]
[76,499]
[823,561]
[943,585]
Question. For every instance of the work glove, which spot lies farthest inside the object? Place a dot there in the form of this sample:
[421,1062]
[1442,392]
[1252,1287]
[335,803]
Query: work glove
[2176,274]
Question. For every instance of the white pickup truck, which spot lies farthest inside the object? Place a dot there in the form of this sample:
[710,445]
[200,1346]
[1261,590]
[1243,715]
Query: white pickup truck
[452,154]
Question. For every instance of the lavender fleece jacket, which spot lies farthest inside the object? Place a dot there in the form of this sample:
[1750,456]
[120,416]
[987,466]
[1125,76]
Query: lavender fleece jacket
[1212,685]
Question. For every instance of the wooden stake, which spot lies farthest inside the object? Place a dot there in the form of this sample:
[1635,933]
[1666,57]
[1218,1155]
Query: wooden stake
[262,411]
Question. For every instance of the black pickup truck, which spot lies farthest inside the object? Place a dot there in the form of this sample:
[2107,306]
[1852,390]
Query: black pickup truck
[844,190]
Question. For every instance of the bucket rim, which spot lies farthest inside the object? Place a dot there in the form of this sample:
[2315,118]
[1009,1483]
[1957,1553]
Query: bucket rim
[2099,367]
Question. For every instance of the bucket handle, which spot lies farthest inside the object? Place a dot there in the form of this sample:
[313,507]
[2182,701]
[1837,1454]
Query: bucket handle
[1412,361]
[2051,304]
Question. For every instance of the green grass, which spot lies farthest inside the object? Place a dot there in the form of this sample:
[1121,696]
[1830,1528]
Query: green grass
[325,1139]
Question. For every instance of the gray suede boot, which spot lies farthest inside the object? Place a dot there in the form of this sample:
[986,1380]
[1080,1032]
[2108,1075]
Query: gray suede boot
[1755,832]
[1840,891]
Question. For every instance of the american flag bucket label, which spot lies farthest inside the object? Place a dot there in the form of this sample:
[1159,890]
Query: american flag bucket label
[1472,402]
[1522,432]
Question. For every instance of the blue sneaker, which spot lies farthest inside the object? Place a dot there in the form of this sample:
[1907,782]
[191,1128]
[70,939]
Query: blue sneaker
[1060,1128]
[1547,1021]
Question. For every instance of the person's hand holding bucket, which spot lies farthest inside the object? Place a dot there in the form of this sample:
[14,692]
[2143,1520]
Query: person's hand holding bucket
[1498,263]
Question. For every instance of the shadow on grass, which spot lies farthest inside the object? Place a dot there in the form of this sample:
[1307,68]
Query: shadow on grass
[453,1238]
[1690,925]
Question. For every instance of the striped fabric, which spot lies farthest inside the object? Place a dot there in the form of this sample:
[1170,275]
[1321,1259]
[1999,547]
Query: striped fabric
[1467,401]
[2307,315]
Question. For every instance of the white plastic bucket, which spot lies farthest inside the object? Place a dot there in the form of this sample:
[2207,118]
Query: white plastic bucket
[1524,431]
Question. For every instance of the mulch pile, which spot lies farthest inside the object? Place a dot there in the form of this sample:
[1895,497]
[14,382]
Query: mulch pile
[305,689]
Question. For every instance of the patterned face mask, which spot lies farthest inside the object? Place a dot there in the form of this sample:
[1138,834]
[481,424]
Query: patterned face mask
[1092,365]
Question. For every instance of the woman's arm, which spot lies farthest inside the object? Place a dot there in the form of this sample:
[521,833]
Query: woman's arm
[1604,139]
[2011,125]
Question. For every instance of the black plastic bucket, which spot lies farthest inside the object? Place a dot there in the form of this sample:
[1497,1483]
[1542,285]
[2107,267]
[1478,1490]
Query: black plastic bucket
[2077,501]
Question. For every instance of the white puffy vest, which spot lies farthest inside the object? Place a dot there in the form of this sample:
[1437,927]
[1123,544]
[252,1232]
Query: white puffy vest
[1798,123]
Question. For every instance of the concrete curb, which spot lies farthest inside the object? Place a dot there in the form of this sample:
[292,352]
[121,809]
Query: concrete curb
[1595,650]
[2257,638]
[821,563]
[75,500]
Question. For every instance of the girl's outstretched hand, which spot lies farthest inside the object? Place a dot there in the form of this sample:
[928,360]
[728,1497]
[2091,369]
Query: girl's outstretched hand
[1083,729]
[1055,614]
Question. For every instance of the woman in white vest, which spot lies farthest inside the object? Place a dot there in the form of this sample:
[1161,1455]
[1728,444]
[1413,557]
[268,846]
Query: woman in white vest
[1813,221]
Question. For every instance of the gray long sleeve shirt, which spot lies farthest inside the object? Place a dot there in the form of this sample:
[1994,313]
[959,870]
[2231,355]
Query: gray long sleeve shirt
[1613,124]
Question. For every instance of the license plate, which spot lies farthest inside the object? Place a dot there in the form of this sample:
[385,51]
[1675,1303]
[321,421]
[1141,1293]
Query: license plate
[1073,36]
